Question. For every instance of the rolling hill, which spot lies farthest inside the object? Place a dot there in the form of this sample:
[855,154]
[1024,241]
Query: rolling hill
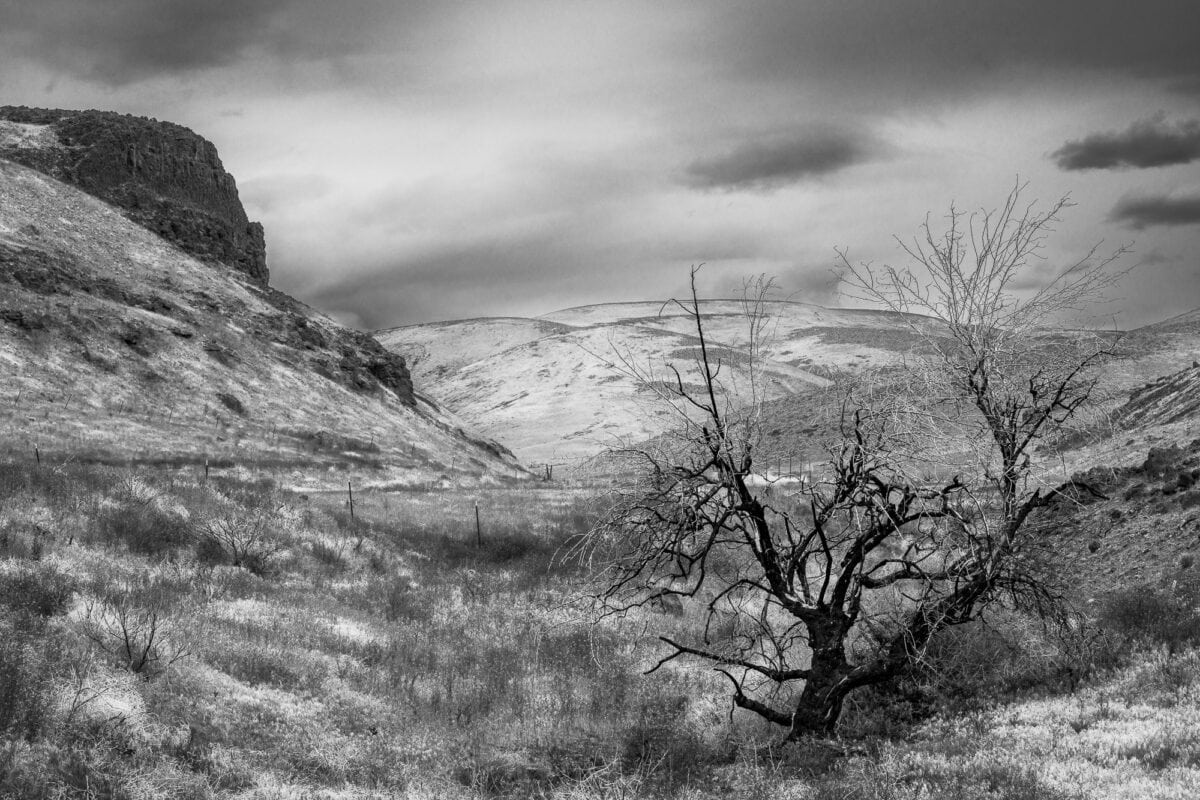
[563,387]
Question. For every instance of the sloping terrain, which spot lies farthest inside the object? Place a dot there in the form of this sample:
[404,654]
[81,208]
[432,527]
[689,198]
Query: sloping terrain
[1167,400]
[560,388]
[1143,530]
[116,346]
[1155,350]
[565,386]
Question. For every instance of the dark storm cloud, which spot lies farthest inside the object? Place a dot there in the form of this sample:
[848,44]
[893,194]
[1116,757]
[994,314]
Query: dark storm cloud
[904,49]
[1147,143]
[117,42]
[1143,212]
[900,49]
[779,162]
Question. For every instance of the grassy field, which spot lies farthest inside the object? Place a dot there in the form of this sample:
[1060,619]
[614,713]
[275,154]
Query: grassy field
[163,636]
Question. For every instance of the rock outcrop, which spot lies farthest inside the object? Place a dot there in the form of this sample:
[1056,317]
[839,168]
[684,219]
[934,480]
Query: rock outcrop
[170,181]
[345,356]
[160,175]
[1170,398]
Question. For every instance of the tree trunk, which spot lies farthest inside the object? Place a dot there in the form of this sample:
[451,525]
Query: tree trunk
[820,703]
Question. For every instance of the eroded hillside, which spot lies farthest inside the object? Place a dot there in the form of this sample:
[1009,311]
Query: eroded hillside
[116,346]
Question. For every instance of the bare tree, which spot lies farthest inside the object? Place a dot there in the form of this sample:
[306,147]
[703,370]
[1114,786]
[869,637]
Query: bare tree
[991,347]
[801,601]
[137,624]
[250,539]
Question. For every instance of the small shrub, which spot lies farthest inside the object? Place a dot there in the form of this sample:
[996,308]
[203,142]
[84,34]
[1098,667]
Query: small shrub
[1169,747]
[885,711]
[222,354]
[970,666]
[22,541]
[248,538]
[26,686]
[663,741]
[507,548]
[1096,477]
[210,552]
[404,603]
[136,624]
[36,590]
[265,665]
[257,493]
[1153,615]
[1161,460]
[329,554]
[505,775]
[144,528]
[232,403]
[14,479]
[500,548]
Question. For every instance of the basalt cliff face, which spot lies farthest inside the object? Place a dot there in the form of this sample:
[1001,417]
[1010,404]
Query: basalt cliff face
[160,175]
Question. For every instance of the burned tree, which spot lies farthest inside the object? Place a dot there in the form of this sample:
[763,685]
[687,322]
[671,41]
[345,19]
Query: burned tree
[801,601]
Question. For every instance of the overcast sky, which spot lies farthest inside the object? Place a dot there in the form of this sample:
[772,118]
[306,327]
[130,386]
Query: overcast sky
[436,159]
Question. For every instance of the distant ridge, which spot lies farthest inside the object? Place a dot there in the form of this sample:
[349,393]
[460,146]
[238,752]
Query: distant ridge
[555,388]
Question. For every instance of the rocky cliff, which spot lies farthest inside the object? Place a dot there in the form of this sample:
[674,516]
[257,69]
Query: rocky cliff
[160,175]
[116,347]
[170,181]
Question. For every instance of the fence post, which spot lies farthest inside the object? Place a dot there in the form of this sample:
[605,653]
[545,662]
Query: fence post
[350,494]
[478,529]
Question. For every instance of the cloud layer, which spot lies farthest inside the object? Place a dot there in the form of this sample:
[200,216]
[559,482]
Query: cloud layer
[119,42]
[779,161]
[1147,143]
[436,158]
[1140,213]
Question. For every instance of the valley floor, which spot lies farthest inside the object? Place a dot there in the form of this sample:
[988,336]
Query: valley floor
[168,637]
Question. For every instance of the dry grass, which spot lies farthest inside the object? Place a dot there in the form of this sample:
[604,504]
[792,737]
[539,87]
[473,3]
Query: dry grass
[395,654]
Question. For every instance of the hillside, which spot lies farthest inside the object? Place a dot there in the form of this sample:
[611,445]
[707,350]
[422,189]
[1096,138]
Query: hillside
[119,347]
[1156,350]
[560,388]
